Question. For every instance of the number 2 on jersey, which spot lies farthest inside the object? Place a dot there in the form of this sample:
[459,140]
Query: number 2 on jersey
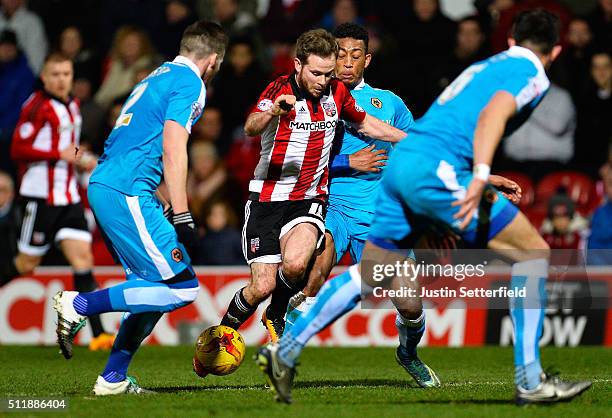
[125,118]
[460,83]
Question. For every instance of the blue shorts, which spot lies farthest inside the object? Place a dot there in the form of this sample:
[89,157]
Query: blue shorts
[349,228]
[422,185]
[142,238]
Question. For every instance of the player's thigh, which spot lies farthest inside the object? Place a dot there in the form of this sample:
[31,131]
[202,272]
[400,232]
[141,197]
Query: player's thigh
[77,252]
[74,237]
[143,238]
[336,226]
[321,267]
[389,222]
[261,230]
[297,248]
[520,240]
[262,283]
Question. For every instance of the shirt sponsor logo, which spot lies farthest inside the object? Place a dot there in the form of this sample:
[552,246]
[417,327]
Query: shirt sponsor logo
[312,126]
[359,108]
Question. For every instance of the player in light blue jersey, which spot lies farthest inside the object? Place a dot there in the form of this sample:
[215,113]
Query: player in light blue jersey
[440,173]
[149,141]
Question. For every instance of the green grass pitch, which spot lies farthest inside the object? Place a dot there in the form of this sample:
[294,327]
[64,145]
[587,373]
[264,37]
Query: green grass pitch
[331,382]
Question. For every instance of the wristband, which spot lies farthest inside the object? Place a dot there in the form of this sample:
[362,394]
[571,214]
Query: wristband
[481,171]
[340,162]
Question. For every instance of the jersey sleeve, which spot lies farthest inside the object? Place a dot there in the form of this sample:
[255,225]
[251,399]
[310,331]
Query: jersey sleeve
[30,126]
[526,83]
[186,102]
[351,111]
[402,119]
[268,96]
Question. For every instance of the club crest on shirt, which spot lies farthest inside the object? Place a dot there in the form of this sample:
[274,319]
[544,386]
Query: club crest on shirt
[254,244]
[177,255]
[376,102]
[329,108]
[196,110]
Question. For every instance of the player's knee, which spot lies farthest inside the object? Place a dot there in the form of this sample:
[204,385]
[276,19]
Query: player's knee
[411,313]
[27,263]
[258,291]
[294,269]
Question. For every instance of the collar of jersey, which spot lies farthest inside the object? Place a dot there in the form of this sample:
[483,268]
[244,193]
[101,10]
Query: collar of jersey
[186,61]
[519,51]
[361,85]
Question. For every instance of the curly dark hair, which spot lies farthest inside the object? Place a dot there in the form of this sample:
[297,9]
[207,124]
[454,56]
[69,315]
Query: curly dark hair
[354,31]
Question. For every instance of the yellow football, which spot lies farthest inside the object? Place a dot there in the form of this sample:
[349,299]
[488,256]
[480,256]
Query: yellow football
[219,350]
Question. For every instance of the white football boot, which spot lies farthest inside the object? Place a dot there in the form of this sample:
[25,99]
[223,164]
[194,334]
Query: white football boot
[69,322]
[127,386]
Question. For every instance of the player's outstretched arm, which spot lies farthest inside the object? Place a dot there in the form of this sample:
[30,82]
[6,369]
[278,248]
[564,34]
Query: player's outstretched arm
[175,164]
[258,121]
[376,128]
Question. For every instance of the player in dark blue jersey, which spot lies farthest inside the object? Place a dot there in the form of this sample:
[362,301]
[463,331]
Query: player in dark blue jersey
[440,173]
[149,141]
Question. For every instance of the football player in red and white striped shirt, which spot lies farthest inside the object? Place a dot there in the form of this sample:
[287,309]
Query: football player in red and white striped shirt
[45,146]
[296,116]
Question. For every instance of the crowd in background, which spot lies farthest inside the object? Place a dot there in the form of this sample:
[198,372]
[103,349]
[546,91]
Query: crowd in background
[417,51]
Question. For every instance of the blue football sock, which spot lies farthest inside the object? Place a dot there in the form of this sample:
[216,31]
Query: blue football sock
[92,303]
[133,330]
[410,332]
[337,296]
[528,317]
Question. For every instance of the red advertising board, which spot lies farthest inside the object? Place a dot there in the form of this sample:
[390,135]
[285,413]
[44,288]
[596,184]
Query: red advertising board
[27,317]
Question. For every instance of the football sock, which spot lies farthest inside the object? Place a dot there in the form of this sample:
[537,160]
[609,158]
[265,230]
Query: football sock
[294,311]
[283,291]
[8,272]
[137,296]
[84,282]
[410,332]
[528,316]
[238,311]
[133,330]
[337,296]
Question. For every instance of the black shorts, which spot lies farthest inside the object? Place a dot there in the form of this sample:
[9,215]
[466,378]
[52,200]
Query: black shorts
[266,222]
[44,224]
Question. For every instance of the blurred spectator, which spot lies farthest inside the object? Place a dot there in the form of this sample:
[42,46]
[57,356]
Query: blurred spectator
[142,71]
[563,227]
[209,127]
[111,116]
[594,116]
[285,20]
[489,12]
[241,160]
[221,244]
[9,219]
[204,8]
[131,50]
[601,225]
[235,21]
[30,31]
[343,11]
[601,22]
[425,36]
[499,38]
[16,84]
[208,180]
[469,49]
[545,142]
[238,84]
[571,69]
[86,64]
[92,127]
[178,15]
